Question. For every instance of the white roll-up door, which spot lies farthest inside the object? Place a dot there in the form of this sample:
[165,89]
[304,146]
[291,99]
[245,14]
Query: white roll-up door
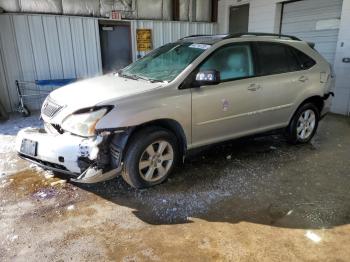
[315,21]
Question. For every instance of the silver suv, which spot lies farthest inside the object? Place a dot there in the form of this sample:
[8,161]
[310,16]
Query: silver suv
[141,121]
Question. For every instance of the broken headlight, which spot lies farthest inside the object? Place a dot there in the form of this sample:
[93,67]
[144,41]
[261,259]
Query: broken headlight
[84,124]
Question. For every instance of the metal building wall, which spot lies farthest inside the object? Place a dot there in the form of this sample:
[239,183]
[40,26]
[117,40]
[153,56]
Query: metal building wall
[168,31]
[301,19]
[51,47]
[45,47]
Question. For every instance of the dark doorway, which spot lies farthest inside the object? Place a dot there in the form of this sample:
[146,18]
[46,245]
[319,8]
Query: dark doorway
[115,45]
[239,19]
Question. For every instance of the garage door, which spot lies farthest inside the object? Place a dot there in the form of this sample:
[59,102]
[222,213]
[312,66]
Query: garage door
[315,21]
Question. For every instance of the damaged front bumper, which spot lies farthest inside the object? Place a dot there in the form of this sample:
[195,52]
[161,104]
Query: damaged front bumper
[65,153]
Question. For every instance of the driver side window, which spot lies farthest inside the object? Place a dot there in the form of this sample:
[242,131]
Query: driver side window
[232,62]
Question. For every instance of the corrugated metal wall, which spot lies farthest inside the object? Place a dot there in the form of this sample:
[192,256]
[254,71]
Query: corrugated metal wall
[301,18]
[169,31]
[46,47]
[190,10]
[51,47]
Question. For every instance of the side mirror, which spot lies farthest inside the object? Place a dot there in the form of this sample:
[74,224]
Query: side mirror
[207,77]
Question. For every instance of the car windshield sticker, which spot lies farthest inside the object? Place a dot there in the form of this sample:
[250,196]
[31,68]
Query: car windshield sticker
[200,46]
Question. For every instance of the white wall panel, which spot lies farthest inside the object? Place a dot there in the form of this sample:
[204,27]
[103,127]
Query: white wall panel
[91,47]
[79,47]
[46,47]
[41,67]
[4,96]
[10,59]
[24,47]
[8,64]
[38,42]
[53,47]
[66,47]
[341,102]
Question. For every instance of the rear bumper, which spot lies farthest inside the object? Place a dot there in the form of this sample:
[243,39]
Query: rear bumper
[59,152]
[327,103]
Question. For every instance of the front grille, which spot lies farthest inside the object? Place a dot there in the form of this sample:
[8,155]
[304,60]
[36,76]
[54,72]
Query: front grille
[50,108]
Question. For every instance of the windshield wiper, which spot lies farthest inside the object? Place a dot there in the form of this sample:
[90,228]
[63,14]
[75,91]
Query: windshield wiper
[137,77]
[150,79]
[156,81]
[134,77]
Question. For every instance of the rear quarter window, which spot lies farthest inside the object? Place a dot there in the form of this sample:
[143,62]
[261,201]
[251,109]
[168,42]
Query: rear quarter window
[305,62]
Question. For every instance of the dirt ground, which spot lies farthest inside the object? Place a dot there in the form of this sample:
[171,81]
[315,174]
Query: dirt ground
[256,199]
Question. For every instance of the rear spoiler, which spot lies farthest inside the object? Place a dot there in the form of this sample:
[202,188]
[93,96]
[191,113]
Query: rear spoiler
[311,44]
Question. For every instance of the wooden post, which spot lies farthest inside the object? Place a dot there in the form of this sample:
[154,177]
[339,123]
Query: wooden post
[214,11]
[176,10]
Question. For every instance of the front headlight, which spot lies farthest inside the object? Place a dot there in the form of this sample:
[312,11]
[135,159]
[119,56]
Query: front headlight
[83,124]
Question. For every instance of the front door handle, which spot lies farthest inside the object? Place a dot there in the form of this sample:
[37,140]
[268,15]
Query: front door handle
[253,87]
[303,79]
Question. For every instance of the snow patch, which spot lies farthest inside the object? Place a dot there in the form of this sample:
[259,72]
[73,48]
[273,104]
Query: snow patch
[71,207]
[9,162]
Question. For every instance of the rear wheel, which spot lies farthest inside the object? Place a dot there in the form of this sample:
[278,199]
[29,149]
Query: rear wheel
[150,157]
[304,124]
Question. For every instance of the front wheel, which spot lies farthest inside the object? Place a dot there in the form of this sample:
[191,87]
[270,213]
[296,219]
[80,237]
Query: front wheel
[150,157]
[304,124]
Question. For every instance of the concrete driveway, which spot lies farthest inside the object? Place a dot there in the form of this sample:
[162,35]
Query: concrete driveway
[257,199]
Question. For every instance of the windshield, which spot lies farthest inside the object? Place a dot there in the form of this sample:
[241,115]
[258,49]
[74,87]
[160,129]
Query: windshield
[164,63]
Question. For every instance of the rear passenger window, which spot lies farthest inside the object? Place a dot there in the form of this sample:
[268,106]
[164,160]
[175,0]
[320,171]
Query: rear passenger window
[294,64]
[305,62]
[276,59]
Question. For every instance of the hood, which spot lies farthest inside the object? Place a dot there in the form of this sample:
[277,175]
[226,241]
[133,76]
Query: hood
[93,91]
[102,90]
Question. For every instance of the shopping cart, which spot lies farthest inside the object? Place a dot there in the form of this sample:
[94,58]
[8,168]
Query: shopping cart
[36,91]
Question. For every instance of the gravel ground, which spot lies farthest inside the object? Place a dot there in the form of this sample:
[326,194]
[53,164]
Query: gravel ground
[256,199]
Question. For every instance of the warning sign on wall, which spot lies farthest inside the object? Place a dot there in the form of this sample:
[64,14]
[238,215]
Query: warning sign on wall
[144,39]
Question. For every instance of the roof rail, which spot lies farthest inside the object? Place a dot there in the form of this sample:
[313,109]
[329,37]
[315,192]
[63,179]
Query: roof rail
[261,34]
[189,36]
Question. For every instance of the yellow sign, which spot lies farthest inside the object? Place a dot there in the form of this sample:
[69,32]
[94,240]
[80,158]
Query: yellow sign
[144,39]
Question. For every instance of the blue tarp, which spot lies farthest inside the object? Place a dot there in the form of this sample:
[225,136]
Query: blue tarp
[55,82]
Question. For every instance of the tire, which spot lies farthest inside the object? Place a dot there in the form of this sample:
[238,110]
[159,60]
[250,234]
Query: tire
[303,125]
[145,168]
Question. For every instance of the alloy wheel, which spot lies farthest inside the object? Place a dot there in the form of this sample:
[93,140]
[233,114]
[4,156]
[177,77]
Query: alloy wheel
[306,124]
[156,161]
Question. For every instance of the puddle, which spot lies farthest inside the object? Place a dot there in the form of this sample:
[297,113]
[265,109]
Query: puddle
[45,193]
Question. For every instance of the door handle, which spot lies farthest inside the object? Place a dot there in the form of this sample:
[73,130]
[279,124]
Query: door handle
[253,87]
[303,79]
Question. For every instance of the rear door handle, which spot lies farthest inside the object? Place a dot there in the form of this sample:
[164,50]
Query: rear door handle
[254,87]
[303,79]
